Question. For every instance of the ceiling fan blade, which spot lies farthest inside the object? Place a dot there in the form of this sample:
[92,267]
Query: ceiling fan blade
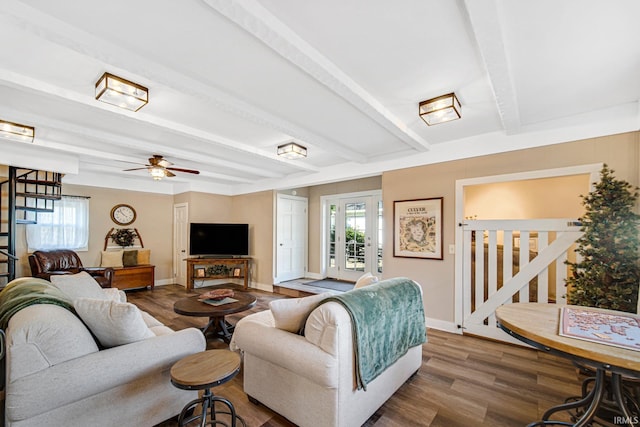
[184,170]
[168,174]
[134,169]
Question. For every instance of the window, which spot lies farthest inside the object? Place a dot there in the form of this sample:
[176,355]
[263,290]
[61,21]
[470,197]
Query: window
[67,227]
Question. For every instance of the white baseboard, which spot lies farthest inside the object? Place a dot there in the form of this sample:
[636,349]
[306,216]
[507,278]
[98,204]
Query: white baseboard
[316,276]
[443,325]
[261,286]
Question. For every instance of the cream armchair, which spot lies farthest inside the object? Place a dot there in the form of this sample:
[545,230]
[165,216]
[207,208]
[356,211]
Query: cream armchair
[309,379]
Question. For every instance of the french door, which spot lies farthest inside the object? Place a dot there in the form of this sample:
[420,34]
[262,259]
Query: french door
[353,236]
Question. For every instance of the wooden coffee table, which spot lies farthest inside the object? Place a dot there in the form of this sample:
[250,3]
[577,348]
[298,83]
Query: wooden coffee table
[217,327]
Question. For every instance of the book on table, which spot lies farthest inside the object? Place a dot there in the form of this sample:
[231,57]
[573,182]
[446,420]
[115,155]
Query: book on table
[216,302]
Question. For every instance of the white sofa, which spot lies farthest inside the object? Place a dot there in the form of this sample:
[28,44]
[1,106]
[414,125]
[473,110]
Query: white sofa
[56,375]
[309,379]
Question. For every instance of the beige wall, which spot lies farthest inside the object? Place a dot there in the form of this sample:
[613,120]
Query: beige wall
[154,223]
[257,210]
[620,152]
[527,199]
[204,207]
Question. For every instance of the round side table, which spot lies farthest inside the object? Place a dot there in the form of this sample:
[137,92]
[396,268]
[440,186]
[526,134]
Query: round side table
[203,371]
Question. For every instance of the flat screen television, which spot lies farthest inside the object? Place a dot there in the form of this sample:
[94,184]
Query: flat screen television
[214,239]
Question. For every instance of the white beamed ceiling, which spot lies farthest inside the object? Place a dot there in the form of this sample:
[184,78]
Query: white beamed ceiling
[229,81]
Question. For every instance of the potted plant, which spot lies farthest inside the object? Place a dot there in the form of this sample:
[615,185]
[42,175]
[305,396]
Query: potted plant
[124,237]
[608,273]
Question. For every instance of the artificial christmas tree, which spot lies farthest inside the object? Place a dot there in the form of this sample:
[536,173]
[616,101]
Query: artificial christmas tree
[607,275]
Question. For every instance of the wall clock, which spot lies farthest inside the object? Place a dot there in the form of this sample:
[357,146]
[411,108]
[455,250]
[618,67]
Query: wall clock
[123,214]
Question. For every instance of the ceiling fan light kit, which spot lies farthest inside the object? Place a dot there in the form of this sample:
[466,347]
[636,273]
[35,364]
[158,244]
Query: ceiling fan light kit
[292,151]
[122,93]
[16,131]
[159,168]
[157,173]
[441,109]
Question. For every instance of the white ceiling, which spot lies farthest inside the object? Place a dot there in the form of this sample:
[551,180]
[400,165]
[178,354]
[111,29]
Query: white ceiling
[229,81]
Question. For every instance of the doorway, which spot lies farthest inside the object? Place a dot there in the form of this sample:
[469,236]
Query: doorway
[513,236]
[180,233]
[291,237]
[352,243]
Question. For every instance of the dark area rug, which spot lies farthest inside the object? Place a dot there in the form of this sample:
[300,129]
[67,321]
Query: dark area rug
[336,285]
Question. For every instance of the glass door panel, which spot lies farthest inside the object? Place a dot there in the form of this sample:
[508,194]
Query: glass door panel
[353,239]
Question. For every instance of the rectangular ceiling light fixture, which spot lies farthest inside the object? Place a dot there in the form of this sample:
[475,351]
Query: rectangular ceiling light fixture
[441,109]
[292,151]
[16,132]
[117,91]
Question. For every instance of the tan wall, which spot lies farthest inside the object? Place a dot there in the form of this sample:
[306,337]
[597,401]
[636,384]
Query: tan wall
[257,210]
[620,152]
[315,211]
[204,207]
[154,223]
[527,199]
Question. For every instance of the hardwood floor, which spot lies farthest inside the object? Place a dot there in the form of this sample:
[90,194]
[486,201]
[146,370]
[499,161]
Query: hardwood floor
[464,380]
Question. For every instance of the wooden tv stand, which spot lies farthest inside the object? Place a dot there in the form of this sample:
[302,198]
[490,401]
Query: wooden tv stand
[202,264]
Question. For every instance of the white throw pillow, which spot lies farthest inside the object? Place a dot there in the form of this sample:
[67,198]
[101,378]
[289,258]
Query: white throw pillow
[80,285]
[112,259]
[113,323]
[365,280]
[291,314]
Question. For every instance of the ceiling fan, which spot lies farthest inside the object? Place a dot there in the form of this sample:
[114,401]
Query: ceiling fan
[159,168]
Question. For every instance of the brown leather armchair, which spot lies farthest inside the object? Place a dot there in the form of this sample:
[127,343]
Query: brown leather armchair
[44,264]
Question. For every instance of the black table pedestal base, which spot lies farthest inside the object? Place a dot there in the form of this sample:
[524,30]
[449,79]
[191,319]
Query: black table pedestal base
[605,401]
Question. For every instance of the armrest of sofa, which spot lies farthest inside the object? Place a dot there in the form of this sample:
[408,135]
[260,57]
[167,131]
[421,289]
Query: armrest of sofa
[98,372]
[256,335]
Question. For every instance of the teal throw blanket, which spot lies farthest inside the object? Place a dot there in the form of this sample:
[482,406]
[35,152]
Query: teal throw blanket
[387,319]
[26,291]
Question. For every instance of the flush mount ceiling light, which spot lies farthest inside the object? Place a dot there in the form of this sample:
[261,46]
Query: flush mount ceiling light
[16,132]
[292,151]
[117,91]
[441,109]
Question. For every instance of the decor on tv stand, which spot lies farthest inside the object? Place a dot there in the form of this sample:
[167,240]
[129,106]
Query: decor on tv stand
[218,270]
[607,274]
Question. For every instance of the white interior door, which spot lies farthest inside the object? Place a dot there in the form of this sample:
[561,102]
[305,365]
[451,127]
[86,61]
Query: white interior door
[180,236]
[354,237]
[291,237]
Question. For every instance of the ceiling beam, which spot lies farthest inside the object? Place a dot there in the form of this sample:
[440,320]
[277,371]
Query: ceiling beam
[264,26]
[139,144]
[39,24]
[486,27]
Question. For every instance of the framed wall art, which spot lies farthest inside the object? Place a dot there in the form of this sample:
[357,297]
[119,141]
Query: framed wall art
[417,228]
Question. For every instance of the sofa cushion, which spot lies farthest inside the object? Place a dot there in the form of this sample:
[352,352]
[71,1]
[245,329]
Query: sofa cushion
[112,259]
[144,256]
[113,323]
[130,258]
[291,314]
[365,280]
[44,335]
[80,285]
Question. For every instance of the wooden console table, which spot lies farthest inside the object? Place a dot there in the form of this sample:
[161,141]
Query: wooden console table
[137,276]
[237,268]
